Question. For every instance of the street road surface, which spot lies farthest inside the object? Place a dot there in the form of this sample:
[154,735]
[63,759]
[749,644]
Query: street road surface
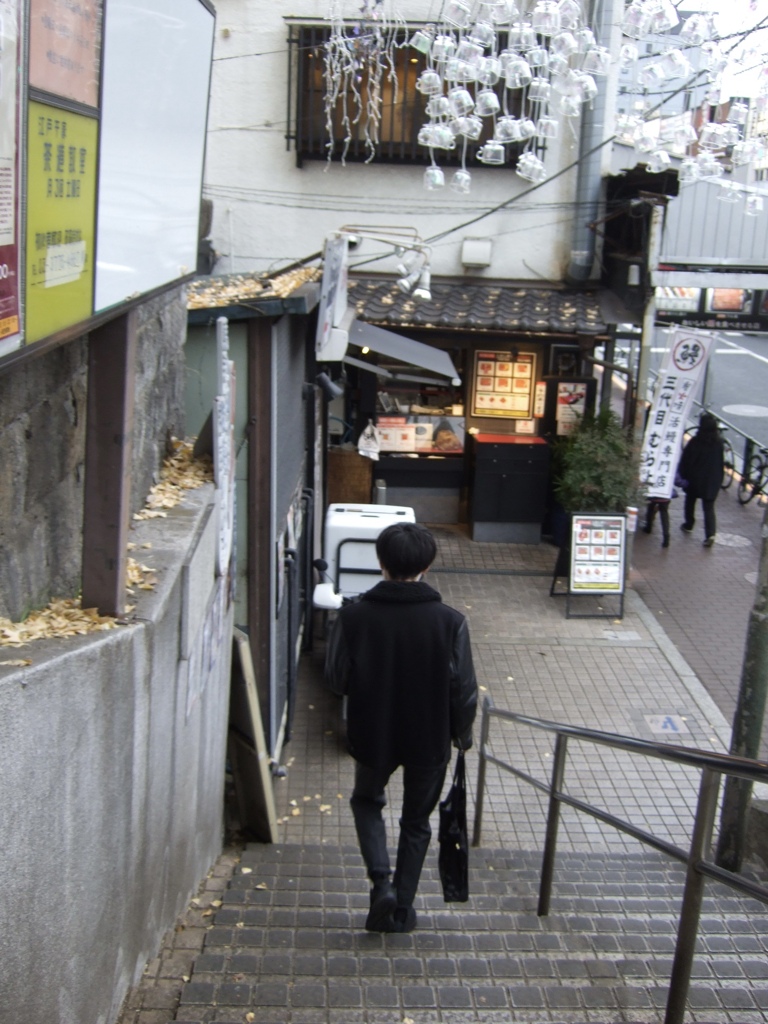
[737,382]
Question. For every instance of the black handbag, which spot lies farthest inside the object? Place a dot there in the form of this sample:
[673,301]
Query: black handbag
[453,857]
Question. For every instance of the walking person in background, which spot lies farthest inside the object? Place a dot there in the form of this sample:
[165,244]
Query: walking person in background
[403,659]
[702,466]
[660,505]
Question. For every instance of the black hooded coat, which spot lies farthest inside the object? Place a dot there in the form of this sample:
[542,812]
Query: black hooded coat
[702,464]
[404,661]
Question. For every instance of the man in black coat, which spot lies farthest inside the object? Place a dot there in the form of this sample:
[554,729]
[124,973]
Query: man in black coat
[403,660]
[702,466]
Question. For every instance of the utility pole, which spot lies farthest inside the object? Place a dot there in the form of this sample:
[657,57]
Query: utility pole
[747,721]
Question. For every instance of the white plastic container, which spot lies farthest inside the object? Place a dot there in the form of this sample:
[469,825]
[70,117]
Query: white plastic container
[350,543]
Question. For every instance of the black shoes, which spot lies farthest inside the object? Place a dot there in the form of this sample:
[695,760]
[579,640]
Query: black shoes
[385,915]
[381,916]
[709,542]
[685,528]
[405,919]
[665,542]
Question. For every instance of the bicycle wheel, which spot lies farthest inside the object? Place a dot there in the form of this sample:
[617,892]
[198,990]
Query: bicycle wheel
[729,464]
[750,480]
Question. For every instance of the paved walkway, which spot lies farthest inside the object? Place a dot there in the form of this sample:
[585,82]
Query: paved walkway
[276,933]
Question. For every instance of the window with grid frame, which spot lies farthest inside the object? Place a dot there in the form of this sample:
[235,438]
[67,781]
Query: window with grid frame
[403,110]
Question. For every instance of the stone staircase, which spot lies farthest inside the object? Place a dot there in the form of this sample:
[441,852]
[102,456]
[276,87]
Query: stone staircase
[288,945]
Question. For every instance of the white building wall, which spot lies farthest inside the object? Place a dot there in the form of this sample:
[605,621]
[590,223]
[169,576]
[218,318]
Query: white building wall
[268,212]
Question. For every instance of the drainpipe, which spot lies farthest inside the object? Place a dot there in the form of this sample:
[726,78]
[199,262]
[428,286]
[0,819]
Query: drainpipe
[588,176]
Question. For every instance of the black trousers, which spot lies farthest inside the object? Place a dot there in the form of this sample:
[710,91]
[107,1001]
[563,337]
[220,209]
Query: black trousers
[710,523]
[662,507]
[421,791]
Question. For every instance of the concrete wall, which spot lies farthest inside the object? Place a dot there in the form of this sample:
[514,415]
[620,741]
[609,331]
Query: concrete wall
[42,452]
[267,212]
[112,755]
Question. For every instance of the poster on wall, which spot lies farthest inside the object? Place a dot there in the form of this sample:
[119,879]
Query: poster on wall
[61,194]
[597,554]
[10,328]
[571,406]
[64,48]
[504,384]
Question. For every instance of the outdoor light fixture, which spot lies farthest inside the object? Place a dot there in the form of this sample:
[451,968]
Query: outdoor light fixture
[422,292]
[330,389]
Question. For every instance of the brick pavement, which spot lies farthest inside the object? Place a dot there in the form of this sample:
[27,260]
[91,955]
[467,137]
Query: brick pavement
[702,597]
[287,945]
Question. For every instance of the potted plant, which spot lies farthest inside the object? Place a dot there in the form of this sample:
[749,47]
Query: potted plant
[594,467]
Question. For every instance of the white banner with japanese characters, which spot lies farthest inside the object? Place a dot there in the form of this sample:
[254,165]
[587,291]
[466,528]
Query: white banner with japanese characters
[680,379]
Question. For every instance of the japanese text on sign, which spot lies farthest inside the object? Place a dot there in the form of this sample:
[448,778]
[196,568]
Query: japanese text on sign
[680,376]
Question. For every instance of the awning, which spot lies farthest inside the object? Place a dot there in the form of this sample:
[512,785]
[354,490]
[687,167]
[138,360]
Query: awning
[402,350]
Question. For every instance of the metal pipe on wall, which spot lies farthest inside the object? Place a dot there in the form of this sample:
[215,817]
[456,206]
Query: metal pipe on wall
[589,178]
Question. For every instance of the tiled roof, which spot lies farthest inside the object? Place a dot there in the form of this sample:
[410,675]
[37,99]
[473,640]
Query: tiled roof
[479,307]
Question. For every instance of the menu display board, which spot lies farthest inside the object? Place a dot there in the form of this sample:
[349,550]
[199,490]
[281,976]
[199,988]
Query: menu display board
[504,384]
[597,554]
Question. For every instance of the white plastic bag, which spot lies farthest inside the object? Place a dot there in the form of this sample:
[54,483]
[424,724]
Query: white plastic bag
[369,442]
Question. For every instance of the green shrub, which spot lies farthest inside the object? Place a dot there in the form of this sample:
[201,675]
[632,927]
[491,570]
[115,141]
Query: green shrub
[595,468]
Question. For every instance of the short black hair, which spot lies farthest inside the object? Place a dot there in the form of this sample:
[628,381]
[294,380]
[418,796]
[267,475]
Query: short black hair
[405,550]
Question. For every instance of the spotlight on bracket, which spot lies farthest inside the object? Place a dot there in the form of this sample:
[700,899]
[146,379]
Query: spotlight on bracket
[422,291]
[327,386]
[405,284]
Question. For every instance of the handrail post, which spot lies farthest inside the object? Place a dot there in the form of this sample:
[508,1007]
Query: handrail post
[480,794]
[553,821]
[688,927]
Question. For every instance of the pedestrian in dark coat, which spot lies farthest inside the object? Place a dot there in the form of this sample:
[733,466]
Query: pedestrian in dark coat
[702,466]
[403,660]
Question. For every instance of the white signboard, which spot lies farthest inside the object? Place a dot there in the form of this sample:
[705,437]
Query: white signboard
[333,299]
[224,447]
[154,111]
[680,379]
[597,554]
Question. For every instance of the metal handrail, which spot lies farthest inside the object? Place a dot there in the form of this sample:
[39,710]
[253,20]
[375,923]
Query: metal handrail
[712,766]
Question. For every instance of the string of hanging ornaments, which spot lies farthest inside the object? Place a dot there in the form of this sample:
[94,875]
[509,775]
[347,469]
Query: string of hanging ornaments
[515,72]
[688,58]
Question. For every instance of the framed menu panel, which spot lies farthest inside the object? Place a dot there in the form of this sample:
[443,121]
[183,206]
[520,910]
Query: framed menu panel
[504,384]
[597,554]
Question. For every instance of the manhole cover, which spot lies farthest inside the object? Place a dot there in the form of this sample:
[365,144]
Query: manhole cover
[733,540]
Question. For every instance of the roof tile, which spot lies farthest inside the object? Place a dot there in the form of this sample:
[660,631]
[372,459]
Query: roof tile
[479,307]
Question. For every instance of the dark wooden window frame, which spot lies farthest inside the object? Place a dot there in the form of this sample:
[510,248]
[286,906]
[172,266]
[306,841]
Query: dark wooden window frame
[307,120]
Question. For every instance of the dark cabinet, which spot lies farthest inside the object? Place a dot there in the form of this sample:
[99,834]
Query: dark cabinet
[509,487]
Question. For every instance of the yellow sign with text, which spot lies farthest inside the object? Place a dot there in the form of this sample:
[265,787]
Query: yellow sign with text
[61,215]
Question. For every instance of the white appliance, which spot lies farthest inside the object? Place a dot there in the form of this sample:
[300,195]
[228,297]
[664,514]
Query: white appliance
[350,543]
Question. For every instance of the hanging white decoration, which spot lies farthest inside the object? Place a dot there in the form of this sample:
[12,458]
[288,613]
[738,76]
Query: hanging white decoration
[514,71]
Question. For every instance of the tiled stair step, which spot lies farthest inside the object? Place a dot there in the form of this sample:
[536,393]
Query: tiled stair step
[288,945]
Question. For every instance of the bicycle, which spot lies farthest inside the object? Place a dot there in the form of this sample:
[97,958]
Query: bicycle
[755,476]
[728,456]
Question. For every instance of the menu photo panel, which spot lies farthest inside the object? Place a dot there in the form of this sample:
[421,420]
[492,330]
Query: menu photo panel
[504,384]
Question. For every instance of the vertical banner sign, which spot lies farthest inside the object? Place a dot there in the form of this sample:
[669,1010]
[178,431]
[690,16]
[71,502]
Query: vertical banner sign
[333,299]
[224,446]
[61,191]
[64,48]
[680,379]
[10,335]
